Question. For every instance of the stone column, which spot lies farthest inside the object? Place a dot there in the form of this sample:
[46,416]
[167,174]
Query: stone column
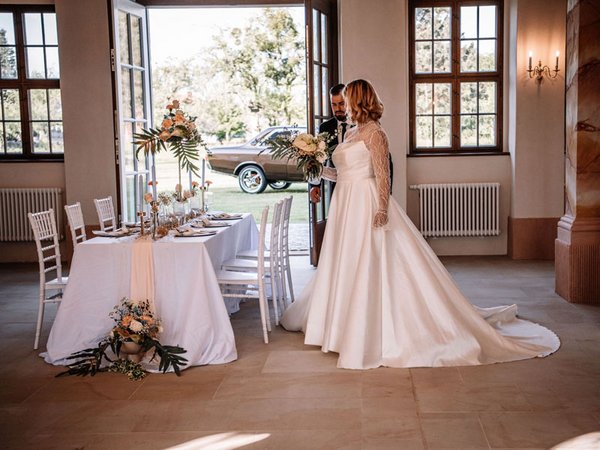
[577,262]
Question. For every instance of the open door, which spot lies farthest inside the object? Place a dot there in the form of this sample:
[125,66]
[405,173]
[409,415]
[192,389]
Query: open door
[321,74]
[131,67]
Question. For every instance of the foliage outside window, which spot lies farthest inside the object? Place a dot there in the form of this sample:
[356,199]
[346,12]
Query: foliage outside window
[455,76]
[31,124]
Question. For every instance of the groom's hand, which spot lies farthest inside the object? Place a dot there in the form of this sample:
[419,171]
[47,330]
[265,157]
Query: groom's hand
[315,194]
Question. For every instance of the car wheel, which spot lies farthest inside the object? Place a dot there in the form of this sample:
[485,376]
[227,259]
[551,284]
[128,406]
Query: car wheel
[252,180]
[280,185]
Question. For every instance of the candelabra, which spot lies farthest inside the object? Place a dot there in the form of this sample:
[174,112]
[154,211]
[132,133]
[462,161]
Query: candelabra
[540,70]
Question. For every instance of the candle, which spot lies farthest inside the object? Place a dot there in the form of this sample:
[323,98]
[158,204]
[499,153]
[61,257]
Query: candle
[190,173]
[530,54]
[141,193]
[203,172]
[153,177]
[557,55]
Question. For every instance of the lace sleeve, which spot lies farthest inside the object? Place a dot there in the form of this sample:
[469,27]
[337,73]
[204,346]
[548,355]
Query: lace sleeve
[329,173]
[379,149]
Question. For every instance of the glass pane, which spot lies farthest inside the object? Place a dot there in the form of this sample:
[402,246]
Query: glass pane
[35,62]
[129,207]
[424,131]
[8,62]
[14,143]
[50,35]
[424,100]
[138,92]
[7,29]
[136,41]
[487,21]
[52,62]
[316,41]
[442,57]
[56,137]
[129,156]
[324,52]
[38,104]
[442,20]
[468,131]
[55,104]
[2,149]
[317,91]
[468,22]
[40,138]
[325,91]
[487,55]
[33,29]
[442,132]
[423,57]
[10,101]
[125,93]
[487,130]
[487,97]
[468,98]
[123,38]
[468,56]
[423,23]
[442,98]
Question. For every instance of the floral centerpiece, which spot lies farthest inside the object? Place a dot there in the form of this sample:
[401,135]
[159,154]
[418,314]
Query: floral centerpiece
[310,152]
[135,332]
[177,133]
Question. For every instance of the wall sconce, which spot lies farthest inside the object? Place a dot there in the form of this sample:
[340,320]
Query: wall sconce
[539,71]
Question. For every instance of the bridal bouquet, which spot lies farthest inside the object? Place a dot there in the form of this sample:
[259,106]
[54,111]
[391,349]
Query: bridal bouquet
[310,152]
[135,332]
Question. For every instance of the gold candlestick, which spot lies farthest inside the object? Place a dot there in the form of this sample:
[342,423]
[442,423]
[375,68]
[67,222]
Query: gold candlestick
[141,215]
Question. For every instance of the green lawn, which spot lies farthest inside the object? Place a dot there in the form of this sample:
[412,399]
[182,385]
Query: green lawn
[232,199]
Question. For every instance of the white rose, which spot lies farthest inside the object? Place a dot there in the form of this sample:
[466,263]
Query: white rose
[322,145]
[305,143]
[136,326]
[321,157]
[148,197]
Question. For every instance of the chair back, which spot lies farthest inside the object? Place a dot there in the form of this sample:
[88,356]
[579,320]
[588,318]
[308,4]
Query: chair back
[285,226]
[44,230]
[262,233]
[75,219]
[275,239]
[106,213]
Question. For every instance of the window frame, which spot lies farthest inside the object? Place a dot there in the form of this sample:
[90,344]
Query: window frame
[454,78]
[24,85]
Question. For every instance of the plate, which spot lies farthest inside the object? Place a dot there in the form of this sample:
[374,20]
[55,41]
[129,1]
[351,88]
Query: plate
[195,233]
[225,216]
[114,234]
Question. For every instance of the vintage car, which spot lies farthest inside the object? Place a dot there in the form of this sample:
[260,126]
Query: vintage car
[252,163]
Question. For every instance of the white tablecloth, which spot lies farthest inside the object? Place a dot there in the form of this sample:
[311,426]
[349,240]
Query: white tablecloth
[187,296]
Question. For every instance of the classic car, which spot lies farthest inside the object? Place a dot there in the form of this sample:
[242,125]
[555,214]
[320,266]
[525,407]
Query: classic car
[252,164]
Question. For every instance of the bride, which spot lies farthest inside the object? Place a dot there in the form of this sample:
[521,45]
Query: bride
[380,296]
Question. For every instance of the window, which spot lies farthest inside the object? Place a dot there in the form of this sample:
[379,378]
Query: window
[31,124]
[455,76]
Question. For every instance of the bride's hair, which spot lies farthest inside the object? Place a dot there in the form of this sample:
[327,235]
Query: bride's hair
[362,101]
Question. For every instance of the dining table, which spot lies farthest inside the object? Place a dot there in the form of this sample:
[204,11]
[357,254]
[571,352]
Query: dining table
[187,296]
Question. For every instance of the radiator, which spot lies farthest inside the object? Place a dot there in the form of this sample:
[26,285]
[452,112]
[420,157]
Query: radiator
[459,209]
[16,203]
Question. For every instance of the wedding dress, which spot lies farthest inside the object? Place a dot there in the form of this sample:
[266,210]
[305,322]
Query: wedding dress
[381,297]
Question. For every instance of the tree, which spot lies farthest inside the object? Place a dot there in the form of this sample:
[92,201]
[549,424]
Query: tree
[266,60]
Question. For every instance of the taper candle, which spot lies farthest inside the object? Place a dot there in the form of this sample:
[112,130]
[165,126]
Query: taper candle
[530,54]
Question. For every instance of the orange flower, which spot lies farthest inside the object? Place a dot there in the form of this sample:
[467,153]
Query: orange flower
[152,183]
[195,184]
[167,123]
[126,320]
[175,104]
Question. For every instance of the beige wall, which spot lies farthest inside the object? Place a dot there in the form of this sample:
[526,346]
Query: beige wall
[537,114]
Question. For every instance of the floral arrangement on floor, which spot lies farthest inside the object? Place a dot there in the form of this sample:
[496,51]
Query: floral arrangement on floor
[134,334]
[310,152]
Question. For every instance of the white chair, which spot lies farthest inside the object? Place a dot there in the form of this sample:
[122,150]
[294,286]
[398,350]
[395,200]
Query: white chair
[286,269]
[44,229]
[237,284]
[75,219]
[106,213]
[272,265]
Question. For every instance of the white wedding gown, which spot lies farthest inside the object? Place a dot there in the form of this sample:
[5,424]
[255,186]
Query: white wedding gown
[381,297]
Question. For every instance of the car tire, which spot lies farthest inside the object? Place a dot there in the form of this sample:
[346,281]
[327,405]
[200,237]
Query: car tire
[252,179]
[280,185]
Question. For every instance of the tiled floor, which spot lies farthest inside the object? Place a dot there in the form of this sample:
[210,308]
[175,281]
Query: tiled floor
[289,396]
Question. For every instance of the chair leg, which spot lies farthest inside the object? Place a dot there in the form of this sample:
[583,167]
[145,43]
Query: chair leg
[40,319]
[264,311]
[274,295]
[283,286]
[288,269]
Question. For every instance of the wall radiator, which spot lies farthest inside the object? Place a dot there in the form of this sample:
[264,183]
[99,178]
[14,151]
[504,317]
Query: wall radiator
[16,203]
[459,209]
